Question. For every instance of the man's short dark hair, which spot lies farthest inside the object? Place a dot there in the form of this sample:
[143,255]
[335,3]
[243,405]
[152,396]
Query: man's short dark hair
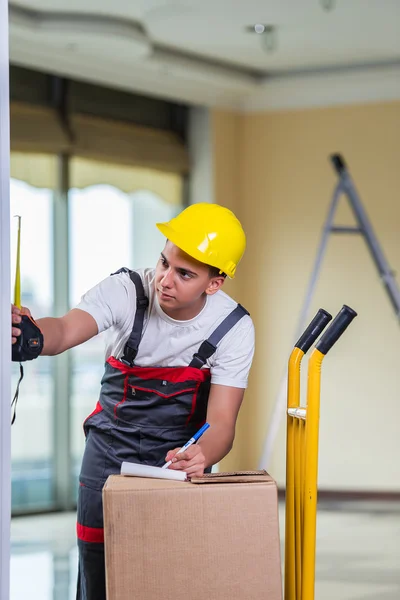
[215,272]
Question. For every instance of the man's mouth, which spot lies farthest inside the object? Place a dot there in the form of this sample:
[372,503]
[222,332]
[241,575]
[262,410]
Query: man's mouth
[164,295]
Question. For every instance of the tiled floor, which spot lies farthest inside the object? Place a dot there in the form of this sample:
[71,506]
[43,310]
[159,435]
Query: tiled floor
[358,554]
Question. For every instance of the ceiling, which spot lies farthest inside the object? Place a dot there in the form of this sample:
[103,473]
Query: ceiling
[201,51]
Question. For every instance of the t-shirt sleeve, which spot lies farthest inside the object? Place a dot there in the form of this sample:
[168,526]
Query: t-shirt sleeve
[108,302]
[232,361]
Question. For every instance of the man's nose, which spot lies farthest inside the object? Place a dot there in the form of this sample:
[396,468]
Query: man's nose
[166,281]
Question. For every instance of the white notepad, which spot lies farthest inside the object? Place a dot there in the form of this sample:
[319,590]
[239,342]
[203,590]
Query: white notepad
[138,470]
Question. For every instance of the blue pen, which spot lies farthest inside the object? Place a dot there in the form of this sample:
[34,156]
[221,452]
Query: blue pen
[192,440]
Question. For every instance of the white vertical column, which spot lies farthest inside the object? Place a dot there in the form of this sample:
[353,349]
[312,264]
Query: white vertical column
[201,181]
[5,295]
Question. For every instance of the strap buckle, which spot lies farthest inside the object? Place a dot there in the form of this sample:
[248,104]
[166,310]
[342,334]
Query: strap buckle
[198,359]
[205,351]
[129,356]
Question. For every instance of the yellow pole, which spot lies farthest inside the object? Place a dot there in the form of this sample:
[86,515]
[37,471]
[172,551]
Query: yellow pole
[311,474]
[293,400]
[297,509]
[302,425]
[17,286]
[294,458]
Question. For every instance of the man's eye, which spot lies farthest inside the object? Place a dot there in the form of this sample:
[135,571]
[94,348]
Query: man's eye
[185,275]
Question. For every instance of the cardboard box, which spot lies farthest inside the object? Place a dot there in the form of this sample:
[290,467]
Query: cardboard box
[215,538]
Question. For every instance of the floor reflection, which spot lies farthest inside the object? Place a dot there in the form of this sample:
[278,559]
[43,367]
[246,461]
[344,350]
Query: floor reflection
[43,558]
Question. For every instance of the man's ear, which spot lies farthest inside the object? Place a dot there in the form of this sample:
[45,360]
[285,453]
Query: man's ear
[214,285]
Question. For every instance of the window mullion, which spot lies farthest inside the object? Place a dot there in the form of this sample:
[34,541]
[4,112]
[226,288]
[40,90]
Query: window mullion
[62,362]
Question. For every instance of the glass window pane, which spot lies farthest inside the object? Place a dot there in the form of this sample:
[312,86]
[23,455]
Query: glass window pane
[108,230]
[32,441]
[100,243]
[31,575]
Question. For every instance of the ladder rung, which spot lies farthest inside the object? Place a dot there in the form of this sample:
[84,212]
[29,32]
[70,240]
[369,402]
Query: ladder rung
[339,229]
[297,413]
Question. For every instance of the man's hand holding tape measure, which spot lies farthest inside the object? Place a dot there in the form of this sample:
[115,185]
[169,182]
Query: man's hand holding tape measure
[26,337]
[16,320]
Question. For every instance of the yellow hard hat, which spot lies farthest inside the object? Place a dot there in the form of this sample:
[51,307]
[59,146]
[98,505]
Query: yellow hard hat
[209,233]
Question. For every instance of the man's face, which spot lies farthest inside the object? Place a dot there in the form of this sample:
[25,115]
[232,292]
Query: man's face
[182,283]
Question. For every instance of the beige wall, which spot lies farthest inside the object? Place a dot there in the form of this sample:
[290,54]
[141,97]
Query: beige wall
[273,170]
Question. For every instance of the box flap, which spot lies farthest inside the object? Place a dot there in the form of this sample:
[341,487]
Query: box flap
[234,477]
[124,483]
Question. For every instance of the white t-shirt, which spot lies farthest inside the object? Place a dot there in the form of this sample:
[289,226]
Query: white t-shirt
[167,342]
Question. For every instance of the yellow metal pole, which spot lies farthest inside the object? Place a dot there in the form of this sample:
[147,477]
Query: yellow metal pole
[17,286]
[302,424]
[293,399]
[311,474]
[293,459]
[298,502]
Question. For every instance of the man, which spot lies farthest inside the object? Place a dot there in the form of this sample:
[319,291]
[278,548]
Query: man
[179,353]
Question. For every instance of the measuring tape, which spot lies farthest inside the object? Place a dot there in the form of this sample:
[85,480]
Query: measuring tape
[17,286]
[30,343]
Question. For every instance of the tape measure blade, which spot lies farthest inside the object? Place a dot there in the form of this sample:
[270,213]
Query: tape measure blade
[17,286]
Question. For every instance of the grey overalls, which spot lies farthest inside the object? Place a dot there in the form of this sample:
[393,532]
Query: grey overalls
[142,413]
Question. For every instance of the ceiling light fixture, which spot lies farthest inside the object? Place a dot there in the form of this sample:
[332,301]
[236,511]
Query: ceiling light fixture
[259,28]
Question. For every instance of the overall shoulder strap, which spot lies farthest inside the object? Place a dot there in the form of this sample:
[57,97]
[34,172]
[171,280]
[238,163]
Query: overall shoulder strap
[142,302]
[209,346]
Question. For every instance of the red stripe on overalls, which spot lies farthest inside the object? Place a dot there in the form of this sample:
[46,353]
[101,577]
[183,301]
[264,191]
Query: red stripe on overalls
[124,396]
[171,374]
[98,409]
[90,534]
